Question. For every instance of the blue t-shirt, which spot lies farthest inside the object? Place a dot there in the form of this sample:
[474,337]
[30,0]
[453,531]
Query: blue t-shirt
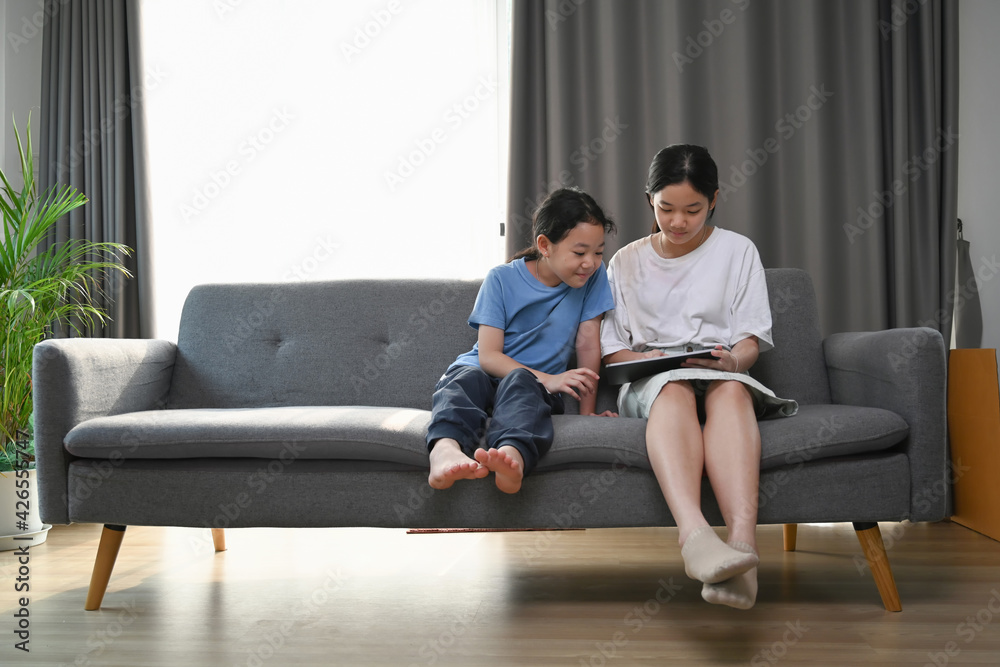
[539,322]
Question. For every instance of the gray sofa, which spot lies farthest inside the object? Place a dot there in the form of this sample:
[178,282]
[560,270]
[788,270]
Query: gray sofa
[306,404]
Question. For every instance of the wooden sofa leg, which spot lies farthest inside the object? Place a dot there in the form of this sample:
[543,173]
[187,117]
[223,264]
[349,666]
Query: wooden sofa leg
[107,553]
[871,543]
[219,538]
[790,531]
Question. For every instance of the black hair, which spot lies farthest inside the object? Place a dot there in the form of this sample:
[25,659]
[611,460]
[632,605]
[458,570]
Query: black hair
[679,163]
[556,217]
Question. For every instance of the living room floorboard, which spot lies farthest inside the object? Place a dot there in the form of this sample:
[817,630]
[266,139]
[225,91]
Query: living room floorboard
[582,597]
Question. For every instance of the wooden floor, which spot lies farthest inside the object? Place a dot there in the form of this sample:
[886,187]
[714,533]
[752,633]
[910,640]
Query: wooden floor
[595,597]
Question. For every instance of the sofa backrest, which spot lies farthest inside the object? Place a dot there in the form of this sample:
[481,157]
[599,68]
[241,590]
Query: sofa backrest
[795,368]
[386,343]
[352,342]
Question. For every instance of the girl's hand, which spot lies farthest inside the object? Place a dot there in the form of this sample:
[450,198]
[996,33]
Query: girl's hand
[722,360]
[577,382]
[606,413]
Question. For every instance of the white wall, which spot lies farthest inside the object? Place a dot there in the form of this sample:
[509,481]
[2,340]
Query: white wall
[20,84]
[979,152]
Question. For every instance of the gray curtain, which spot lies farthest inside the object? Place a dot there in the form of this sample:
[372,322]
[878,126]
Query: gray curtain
[91,107]
[833,123]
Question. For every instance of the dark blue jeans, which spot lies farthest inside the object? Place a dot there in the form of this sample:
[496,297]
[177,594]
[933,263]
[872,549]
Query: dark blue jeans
[519,406]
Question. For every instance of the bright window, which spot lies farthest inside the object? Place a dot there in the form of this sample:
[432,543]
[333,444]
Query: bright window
[311,140]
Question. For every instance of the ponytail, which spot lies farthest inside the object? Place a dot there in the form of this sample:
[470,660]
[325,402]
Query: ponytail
[556,217]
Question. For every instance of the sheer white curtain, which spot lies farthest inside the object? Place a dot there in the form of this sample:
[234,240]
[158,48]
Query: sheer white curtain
[309,140]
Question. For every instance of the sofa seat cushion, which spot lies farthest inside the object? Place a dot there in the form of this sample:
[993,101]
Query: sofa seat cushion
[599,440]
[825,431]
[393,435]
[308,432]
[396,435]
[815,432]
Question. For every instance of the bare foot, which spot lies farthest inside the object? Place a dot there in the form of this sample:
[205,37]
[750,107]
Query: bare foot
[450,464]
[507,463]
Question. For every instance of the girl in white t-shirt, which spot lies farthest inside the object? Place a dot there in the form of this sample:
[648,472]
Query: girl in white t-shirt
[689,286]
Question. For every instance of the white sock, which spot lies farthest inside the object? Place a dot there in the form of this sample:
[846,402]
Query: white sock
[710,560]
[739,592]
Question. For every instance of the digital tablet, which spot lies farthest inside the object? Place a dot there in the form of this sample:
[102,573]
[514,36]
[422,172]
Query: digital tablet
[630,371]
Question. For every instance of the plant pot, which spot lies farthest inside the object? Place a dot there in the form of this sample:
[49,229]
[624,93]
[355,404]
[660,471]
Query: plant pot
[19,517]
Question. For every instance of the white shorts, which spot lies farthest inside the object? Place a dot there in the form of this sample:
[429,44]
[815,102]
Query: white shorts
[635,398]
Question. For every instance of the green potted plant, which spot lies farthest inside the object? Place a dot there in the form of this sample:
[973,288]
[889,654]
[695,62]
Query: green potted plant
[40,285]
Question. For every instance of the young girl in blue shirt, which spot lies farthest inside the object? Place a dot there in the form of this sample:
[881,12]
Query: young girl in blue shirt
[531,314]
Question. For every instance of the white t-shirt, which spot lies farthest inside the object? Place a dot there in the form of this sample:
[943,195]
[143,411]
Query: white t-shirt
[714,294]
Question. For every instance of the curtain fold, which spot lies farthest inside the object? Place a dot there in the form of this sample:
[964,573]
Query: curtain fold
[834,125]
[91,90]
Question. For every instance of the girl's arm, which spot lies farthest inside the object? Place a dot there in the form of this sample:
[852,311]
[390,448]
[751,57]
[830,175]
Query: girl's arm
[629,355]
[588,355]
[744,354]
[578,382]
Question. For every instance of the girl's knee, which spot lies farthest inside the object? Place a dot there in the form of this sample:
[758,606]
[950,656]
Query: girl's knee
[676,389]
[676,392]
[729,391]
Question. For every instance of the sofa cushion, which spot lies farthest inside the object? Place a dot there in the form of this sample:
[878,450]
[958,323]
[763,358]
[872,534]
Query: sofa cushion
[306,432]
[815,432]
[396,435]
[824,431]
[601,440]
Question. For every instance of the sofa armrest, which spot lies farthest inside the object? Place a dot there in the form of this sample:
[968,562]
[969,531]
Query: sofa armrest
[76,379]
[905,371]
